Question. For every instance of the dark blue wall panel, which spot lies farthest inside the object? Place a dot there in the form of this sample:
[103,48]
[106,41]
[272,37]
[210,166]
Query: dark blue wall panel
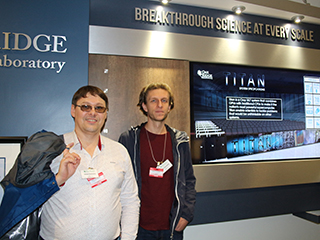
[33,94]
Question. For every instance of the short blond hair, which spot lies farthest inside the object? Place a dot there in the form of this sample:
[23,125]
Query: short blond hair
[152,86]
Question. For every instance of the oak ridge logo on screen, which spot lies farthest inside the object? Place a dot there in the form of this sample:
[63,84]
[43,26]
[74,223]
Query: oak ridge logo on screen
[204,74]
[43,43]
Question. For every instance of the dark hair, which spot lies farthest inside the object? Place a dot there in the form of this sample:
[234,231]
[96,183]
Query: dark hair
[94,91]
[152,86]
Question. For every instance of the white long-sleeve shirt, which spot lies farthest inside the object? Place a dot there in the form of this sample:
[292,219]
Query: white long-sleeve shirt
[79,211]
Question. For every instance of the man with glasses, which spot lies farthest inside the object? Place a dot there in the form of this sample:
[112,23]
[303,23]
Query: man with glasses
[98,196]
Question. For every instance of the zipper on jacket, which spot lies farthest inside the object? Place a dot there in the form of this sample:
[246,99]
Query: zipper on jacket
[176,189]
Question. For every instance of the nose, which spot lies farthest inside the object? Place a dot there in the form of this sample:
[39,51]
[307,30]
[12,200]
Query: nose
[92,110]
[159,104]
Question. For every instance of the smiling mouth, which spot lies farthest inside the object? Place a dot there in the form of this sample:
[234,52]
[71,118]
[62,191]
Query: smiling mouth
[92,120]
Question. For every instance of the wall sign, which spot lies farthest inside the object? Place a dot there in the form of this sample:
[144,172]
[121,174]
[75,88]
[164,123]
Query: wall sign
[151,15]
[227,25]
[42,43]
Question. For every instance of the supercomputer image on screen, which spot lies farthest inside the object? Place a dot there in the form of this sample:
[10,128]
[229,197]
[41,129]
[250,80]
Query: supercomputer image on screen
[241,113]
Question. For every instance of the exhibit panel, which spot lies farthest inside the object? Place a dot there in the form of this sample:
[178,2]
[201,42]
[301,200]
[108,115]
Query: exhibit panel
[262,186]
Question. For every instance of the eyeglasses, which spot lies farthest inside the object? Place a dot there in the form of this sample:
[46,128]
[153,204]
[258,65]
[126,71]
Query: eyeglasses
[88,108]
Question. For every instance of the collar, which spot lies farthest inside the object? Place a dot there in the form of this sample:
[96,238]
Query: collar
[99,143]
[77,141]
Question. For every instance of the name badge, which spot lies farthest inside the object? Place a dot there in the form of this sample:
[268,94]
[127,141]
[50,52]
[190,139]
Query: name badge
[89,173]
[166,165]
[156,172]
[94,182]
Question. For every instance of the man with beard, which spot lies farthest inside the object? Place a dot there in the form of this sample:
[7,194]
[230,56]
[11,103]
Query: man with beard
[163,168]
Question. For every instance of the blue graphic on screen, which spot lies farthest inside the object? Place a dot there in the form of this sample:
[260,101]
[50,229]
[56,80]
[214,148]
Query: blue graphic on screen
[242,113]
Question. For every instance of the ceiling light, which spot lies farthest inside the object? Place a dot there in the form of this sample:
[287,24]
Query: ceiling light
[238,9]
[297,19]
[165,1]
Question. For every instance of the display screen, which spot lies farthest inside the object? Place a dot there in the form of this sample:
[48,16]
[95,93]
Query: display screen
[241,113]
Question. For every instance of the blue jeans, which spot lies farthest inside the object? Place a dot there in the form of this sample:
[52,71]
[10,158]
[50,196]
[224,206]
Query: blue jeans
[144,234]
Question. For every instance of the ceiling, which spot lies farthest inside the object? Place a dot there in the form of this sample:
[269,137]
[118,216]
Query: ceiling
[283,9]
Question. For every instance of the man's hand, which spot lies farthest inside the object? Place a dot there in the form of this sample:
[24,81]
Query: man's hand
[68,165]
[181,225]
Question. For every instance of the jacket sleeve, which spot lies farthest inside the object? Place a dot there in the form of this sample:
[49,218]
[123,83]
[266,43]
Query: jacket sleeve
[18,203]
[190,182]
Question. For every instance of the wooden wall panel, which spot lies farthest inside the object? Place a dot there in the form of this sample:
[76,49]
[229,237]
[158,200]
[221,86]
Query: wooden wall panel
[124,77]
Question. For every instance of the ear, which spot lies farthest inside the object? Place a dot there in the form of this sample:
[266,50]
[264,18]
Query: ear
[73,110]
[144,107]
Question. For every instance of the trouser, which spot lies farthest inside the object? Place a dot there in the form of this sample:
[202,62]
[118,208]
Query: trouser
[144,234]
